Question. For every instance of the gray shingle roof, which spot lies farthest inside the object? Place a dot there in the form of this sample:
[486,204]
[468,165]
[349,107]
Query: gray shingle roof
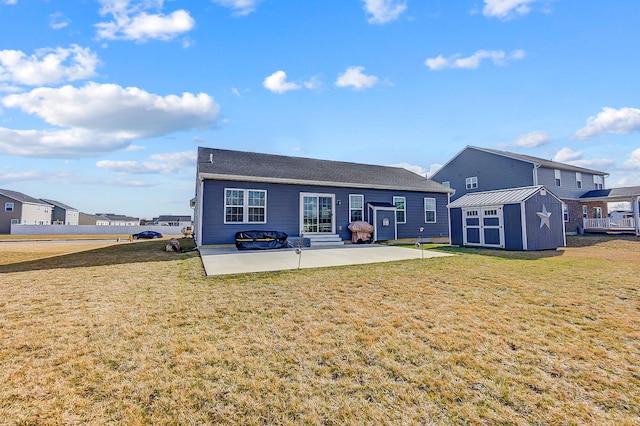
[58,204]
[19,196]
[239,165]
[495,198]
[544,163]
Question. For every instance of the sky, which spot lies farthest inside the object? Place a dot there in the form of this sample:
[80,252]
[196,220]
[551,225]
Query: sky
[103,103]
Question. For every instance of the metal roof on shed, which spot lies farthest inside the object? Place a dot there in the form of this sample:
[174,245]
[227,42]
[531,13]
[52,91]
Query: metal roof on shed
[496,198]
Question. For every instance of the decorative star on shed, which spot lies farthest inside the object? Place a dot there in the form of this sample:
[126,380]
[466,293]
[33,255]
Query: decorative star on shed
[544,216]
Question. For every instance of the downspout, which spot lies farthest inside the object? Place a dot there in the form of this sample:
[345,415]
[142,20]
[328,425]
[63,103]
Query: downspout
[448,215]
[199,202]
[536,166]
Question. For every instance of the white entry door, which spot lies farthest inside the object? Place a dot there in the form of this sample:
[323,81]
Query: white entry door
[317,213]
[483,226]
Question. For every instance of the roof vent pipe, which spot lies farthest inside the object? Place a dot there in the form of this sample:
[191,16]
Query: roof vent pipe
[211,158]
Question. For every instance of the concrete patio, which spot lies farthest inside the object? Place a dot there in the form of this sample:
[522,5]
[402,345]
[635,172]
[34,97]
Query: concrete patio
[223,260]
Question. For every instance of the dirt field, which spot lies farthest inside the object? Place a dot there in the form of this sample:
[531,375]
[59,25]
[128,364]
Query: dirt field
[125,333]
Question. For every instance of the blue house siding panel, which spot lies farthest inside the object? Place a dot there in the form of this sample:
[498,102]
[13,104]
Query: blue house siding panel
[512,214]
[283,210]
[568,188]
[456,227]
[544,238]
[493,172]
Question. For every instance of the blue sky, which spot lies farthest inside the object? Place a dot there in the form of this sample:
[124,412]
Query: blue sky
[104,103]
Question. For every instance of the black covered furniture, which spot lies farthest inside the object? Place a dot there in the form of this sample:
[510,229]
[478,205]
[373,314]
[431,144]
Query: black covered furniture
[260,240]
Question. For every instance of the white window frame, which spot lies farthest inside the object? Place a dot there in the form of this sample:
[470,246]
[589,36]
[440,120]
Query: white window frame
[352,209]
[471,182]
[597,212]
[585,211]
[8,207]
[427,199]
[404,210]
[598,182]
[557,174]
[245,206]
[565,212]
[446,183]
[15,221]
[579,180]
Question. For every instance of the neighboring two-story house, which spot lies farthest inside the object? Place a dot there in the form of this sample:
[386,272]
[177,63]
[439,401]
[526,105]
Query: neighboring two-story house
[18,208]
[119,220]
[62,214]
[477,169]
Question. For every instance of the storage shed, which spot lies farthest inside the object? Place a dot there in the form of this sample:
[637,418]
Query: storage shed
[528,218]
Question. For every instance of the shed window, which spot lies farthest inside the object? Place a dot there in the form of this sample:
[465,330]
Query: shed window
[578,180]
[472,182]
[401,209]
[565,212]
[8,207]
[430,210]
[557,176]
[356,207]
[245,206]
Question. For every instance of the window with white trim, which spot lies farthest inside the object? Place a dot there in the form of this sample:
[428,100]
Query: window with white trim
[471,182]
[429,210]
[8,207]
[245,206]
[598,182]
[557,175]
[446,183]
[578,180]
[585,211]
[597,212]
[356,207]
[565,212]
[401,209]
[15,221]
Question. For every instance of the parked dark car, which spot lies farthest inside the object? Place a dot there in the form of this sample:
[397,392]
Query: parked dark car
[147,235]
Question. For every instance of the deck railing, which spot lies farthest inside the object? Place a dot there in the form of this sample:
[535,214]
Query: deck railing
[608,223]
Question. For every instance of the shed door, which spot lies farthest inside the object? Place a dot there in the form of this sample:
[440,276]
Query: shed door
[483,226]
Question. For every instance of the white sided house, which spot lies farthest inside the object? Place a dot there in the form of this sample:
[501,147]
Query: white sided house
[17,208]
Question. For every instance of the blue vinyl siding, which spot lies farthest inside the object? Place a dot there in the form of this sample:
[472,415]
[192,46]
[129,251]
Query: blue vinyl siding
[568,185]
[456,227]
[512,214]
[493,172]
[544,238]
[283,210]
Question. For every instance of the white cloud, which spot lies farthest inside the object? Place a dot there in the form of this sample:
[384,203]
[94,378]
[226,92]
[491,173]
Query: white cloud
[354,77]
[133,148]
[633,163]
[277,83]
[242,7]
[383,11]
[132,22]
[499,57]
[611,120]
[314,83]
[47,66]
[531,140]
[100,118]
[179,159]
[506,9]
[594,163]
[412,168]
[137,168]
[57,21]
[566,155]
[10,1]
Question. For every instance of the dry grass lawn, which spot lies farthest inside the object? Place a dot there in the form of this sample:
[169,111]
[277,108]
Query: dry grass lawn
[129,334]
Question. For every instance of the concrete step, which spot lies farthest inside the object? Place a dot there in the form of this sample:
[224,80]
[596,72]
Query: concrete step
[324,240]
